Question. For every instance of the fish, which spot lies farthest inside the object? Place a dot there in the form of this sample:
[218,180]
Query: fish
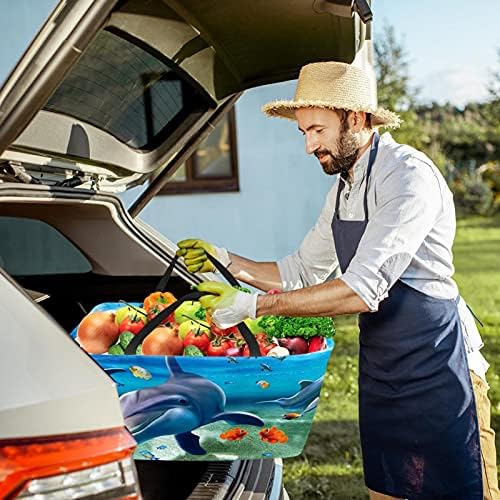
[310,407]
[273,435]
[267,454]
[177,407]
[148,455]
[265,368]
[162,447]
[291,416]
[232,359]
[264,384]
[139,372]
[235,434]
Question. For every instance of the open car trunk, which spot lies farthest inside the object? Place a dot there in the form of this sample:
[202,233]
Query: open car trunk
[127,267]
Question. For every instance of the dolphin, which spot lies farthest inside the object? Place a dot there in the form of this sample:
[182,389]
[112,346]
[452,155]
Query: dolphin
[177,407]
[305,399]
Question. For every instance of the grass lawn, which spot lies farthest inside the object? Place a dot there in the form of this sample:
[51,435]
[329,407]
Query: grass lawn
[330,466]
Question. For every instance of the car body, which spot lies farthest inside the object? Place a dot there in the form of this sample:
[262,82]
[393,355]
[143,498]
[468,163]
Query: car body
[110,95]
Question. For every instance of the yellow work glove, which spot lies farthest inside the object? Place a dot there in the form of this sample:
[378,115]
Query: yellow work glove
[194,252]
[227,305]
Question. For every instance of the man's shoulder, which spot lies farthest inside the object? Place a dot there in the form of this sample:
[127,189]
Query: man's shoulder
[404,169]
[404,159]
[401,153]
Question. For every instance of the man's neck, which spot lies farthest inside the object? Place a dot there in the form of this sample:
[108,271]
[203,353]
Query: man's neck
[366,141]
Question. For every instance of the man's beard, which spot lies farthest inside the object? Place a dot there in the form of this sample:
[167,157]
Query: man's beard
[347,153]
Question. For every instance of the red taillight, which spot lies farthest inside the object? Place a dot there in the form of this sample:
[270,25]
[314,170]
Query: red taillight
[22,460]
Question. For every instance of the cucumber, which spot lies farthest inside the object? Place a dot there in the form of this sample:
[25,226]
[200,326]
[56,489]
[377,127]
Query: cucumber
[116,349]
[192,350]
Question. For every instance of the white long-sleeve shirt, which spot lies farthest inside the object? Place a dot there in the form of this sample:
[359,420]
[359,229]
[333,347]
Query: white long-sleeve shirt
[409,235]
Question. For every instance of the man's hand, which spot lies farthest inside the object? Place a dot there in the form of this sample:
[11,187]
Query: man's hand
[194,251]
[227,305]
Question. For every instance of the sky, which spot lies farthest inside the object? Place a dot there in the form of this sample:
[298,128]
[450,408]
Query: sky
[451,44]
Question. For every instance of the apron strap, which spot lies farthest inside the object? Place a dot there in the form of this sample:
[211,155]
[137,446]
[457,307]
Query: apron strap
[474,315]
[371,161]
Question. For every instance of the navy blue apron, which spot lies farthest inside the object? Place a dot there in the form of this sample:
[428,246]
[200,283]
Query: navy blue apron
[417,415]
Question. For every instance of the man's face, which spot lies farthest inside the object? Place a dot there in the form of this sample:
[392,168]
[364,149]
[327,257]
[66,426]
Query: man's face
[329,138]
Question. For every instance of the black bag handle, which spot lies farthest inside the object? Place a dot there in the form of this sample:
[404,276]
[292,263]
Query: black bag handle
[157,320]
[223,270]
[162,284]
[247,335]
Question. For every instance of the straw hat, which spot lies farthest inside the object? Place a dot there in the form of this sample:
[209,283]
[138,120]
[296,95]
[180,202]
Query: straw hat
[333,85]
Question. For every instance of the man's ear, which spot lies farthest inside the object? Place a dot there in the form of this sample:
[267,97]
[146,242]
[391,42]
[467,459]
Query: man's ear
[357,120]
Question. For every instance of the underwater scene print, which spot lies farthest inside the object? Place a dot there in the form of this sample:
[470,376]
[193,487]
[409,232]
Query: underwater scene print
[187,408]
[218,408]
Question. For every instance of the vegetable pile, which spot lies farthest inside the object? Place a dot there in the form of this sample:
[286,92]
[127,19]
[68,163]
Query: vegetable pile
[189,331]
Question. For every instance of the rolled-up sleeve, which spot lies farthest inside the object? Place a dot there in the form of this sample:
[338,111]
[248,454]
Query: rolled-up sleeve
[315,260]
[408,203]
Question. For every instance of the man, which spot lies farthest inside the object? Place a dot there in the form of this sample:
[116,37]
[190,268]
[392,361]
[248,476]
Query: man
[388,226]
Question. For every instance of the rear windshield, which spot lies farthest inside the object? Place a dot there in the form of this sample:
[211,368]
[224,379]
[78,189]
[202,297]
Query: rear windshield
[127,90]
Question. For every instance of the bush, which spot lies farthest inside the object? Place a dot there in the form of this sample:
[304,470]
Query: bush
[490,173]
[472,195]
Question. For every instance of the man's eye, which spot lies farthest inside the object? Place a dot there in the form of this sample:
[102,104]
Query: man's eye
[319,130]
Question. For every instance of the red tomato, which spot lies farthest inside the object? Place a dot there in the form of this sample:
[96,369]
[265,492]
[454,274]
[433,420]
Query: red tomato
[261,338]
[263,347]
[219,332]
[129,324]
[219,347]
[199,339]
[156,309]
[216,330]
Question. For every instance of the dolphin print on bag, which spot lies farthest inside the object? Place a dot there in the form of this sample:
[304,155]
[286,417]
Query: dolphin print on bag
[182,404]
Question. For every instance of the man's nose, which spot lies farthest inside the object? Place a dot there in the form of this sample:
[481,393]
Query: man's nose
[311,144]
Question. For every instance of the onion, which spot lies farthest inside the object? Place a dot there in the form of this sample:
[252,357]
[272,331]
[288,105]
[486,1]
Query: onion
[233,351]
[296,345]
[163,341]
[278,352]
[97,331]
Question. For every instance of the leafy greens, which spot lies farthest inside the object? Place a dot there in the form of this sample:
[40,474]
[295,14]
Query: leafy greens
[286,326]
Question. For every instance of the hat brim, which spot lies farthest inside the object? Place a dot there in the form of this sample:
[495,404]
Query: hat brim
[381,117]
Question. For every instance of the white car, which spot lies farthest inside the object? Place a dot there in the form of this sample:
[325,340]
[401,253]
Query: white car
[110,95]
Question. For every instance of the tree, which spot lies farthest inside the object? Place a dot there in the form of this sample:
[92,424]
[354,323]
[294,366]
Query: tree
[491,110]
[494,84]
[391,69]
[396,93]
